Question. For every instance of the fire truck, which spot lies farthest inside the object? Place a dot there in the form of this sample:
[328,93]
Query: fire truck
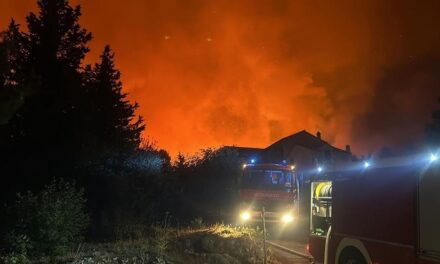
[273,187]
[383,211]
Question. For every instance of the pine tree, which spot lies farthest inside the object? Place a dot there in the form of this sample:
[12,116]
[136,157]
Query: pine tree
[14,55]
[115,122]
[433,130]
[55,37]
[46,135]
[14,86]
[55,46]
[11,53]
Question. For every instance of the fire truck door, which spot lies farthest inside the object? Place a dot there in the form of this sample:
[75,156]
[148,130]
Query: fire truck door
[429,212]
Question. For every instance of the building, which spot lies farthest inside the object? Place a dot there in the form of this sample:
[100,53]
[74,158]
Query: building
[303,149]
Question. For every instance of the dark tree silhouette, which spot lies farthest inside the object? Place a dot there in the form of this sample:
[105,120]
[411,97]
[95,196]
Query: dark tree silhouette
[15,55]
[56,38]
[433,129]
[46,135]
[208,183]
[114,120]
[63,120]
[113,138]
[180,165]
[11,52]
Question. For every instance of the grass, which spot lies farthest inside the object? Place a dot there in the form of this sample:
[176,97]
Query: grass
[202,244]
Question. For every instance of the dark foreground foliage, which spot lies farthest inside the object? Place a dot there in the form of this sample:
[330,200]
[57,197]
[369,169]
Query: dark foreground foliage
[209,183]
[47,223]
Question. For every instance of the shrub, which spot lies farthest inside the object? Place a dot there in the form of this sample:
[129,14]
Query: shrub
[14,258]
[48,223]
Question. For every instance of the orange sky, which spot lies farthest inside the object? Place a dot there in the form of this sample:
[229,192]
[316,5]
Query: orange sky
[210,73]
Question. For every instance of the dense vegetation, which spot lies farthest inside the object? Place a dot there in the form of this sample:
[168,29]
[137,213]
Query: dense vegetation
[74,164]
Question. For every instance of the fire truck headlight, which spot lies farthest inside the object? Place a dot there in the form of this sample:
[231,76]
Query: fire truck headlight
[287,218]
[433,157]
[366,164]
[245,216]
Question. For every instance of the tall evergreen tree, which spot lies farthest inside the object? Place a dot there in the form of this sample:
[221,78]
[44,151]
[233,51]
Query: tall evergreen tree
[56,38]
[46,134]
[433,130]
[115,121]
[56,45]
[70,117]
[10,53]
[14,55]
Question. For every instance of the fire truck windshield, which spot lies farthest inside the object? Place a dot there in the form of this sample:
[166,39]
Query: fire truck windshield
[263,179]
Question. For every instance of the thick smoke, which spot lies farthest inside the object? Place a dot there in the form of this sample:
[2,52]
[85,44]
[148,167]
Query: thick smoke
[218,72]
[401,105]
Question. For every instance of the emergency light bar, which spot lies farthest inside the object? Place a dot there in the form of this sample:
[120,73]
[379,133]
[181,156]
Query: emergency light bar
[366,164]
[386,162]
[383,162]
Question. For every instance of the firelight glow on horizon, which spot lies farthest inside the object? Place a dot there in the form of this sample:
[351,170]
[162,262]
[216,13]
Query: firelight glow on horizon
[247,73]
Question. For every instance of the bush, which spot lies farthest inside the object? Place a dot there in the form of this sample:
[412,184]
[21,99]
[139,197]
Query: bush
[125,196]
[210,184]
[14,258]
[47,223]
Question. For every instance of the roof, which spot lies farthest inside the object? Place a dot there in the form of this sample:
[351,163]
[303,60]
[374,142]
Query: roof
[247,151]
[304,139]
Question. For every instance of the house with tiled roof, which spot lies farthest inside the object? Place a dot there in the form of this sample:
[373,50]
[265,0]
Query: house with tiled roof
[303,149]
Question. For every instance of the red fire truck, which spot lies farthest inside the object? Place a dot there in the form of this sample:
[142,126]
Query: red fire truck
[386,211]
[272,186]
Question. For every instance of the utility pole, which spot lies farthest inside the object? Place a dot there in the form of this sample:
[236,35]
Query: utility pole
[263,218]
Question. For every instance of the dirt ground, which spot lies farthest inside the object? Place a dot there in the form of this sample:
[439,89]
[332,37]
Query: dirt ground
[288,258]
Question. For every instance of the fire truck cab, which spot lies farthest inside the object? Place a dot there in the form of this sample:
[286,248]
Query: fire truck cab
[268,185]
[386,211]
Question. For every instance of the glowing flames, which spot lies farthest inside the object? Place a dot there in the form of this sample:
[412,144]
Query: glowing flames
[209,73]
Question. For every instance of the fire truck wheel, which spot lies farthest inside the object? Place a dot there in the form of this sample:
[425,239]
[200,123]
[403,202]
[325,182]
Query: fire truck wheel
[350,255]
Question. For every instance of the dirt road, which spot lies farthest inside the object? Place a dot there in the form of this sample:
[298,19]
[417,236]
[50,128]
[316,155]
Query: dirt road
[289,258]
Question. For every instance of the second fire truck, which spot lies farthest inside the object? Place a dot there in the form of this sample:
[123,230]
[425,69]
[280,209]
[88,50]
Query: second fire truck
[377,212]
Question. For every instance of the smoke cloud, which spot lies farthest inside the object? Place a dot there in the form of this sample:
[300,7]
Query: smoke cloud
[209,73]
